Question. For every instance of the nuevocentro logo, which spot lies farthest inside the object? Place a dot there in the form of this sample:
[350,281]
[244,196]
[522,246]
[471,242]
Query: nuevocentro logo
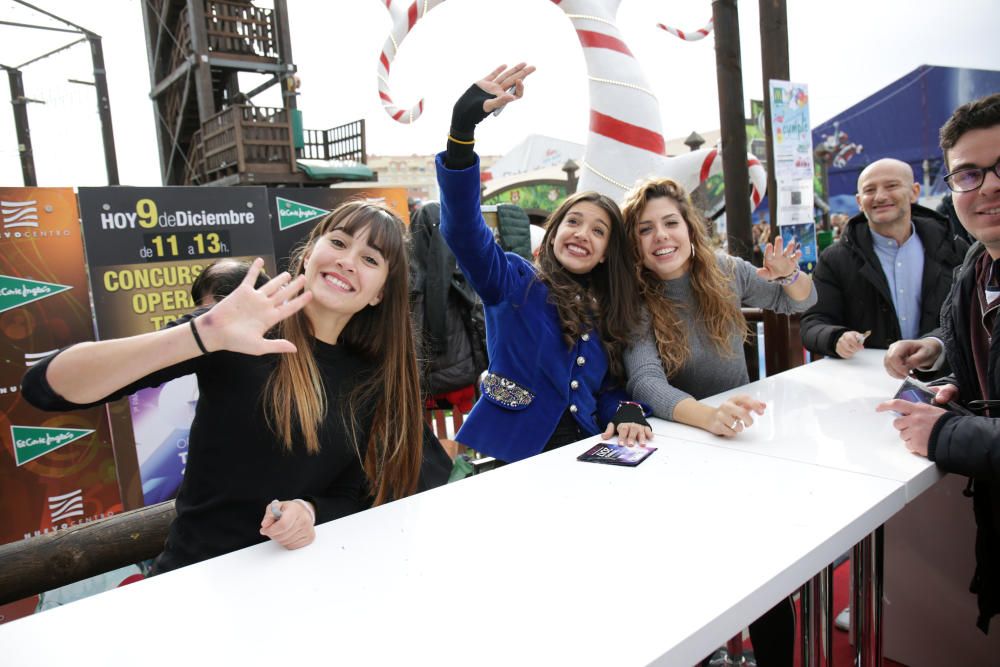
[292,213]
[19,213]
[30,442]
[16,292]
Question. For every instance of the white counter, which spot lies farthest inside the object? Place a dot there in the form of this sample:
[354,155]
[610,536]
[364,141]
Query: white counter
[547,561]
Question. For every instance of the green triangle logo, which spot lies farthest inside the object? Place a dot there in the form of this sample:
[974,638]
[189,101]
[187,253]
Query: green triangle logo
[16,292]
[292,213]
[30,442]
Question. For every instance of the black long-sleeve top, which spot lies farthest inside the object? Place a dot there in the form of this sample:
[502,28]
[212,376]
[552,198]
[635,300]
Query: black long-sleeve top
[236,465]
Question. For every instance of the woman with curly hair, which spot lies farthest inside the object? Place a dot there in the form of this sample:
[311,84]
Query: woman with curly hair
[690,344]
[556,329]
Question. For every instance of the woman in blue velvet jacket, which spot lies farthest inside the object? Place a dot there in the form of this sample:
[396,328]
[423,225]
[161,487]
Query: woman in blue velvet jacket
[555,330]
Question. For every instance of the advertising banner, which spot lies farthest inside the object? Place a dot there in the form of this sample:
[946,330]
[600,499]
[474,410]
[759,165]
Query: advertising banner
[56,469]
[145,246]
[793,166]
[294,211]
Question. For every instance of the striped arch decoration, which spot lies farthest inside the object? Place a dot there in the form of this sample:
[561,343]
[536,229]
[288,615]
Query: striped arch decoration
[625,141]
[404,16]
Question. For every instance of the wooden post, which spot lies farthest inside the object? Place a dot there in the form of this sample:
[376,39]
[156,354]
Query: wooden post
[202,70]
[283,34]
[783,348]
[104,107]
[20,104]
[729,71]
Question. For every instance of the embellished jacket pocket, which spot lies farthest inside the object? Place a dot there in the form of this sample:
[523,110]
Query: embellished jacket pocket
[505,392]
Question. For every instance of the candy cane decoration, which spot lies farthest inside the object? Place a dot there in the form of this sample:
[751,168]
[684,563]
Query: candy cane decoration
[700,33]
[625,141]
[404,17]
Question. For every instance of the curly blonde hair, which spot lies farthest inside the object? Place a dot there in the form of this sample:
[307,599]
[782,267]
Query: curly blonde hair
[715,305]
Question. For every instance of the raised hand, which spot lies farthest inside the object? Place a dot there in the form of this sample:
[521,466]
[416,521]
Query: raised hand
[500,81]
[239,322]
[780,260]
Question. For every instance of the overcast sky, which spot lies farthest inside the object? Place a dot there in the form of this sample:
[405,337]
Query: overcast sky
[844,51]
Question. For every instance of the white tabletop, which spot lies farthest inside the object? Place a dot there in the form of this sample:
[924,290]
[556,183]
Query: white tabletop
[547,561]
[823,413]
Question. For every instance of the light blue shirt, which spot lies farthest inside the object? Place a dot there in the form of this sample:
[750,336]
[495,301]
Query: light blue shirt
[903,266]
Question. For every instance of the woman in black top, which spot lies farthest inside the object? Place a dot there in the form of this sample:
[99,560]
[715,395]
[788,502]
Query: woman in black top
[310,397]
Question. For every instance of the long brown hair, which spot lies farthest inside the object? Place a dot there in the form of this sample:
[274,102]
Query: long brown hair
[612,284]
[714,304]
[383,333]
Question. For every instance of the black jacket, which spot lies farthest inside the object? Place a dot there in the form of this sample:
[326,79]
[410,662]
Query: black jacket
[854,293]
[970,446]
[446,310]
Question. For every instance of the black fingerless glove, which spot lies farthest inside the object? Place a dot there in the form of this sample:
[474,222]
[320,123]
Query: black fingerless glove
[467,113]
[629,413]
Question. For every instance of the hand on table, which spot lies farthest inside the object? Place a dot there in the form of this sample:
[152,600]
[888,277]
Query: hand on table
[849,343]
[629,434]
[914,422]
[734,415]
[294,530]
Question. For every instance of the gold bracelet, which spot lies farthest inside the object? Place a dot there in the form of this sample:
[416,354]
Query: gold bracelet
[459,141]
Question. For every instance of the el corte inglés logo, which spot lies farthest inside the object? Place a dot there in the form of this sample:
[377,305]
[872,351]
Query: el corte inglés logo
[31,442]
[292,213]
[16,292]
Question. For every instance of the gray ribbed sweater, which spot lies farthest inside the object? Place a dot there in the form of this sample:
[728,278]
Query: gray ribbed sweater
[706,372]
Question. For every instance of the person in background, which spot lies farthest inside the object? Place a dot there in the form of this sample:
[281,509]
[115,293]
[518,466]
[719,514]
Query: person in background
[970,336]
[554,328]
[309,404]
[837,223]
[888,276]
[221,277]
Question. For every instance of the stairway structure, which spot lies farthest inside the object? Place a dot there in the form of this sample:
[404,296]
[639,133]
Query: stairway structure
[209,131]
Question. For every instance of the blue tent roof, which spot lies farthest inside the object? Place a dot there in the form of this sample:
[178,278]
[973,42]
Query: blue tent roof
[900,121]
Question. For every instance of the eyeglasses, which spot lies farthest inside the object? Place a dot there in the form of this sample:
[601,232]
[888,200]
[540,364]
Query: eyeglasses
[972,178]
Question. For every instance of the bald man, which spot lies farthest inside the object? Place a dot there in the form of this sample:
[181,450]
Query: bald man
[886,278]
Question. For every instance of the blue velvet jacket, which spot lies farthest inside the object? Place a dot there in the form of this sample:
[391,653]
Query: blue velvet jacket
[533,377]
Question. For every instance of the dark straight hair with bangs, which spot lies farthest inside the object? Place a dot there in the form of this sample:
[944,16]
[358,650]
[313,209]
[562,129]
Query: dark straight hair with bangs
[382,333]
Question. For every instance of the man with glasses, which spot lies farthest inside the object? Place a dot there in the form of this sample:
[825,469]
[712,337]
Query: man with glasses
[970,334]
[887,277]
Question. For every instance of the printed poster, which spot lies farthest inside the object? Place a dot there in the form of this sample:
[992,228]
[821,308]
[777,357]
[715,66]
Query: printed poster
[145,246]
[793,152]
[56,469]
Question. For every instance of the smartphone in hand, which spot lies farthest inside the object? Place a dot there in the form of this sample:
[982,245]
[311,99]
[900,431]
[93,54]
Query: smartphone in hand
[915,391]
